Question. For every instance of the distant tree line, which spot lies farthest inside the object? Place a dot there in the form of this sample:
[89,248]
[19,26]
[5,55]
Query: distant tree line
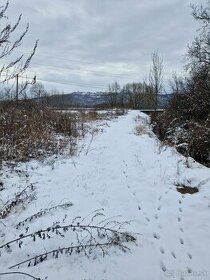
[132,95]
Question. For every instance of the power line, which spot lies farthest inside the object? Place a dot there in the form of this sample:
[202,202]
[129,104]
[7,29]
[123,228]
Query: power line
[63,82]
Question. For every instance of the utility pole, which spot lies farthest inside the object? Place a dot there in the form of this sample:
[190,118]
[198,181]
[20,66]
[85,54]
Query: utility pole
[17,87]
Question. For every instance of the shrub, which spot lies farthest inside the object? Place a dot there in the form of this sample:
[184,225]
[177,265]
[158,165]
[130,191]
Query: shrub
[29,130]
[186,125]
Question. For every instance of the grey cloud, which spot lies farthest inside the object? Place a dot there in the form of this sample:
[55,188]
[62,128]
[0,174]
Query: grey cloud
[117,36]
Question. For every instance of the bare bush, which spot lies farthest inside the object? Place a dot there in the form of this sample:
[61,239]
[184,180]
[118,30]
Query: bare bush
[11,38]
[28,130]
[94,233]
[189,136]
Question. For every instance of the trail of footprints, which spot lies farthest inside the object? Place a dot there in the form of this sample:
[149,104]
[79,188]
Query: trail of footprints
[128,186]
[156,235]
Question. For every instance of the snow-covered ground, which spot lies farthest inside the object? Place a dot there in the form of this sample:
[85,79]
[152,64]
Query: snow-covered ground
[129,174]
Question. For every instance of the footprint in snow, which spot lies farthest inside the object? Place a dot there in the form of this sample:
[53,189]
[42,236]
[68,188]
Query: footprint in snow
[190,256]
[162,250]
[139,207]
[148,220]
[181,229]
[173,254]
[180,202]
[156,216]
[163,267]
[159,207]
[160,226]
[125,163]
[179,219]
[134,193]
[125,174]
[160,197]
[156,236]
[189,270]
[180,210]
[181,241]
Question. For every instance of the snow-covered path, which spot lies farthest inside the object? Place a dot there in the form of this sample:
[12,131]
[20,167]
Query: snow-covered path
[132,176]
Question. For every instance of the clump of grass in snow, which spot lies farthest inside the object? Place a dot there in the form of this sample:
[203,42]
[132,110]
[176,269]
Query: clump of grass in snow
[30,130]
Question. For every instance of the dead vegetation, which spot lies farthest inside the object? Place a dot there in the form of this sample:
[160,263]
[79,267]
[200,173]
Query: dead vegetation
[88,235]
[188,134]
[92,115]
[30,131]
[20,199]
[183,189]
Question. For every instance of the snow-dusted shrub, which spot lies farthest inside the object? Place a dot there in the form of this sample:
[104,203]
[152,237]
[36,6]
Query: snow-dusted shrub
[186,125]
[26,195]
[199,141]
[96,114]
[90,235]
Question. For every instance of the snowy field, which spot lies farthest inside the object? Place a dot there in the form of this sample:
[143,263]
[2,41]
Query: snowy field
[127,172]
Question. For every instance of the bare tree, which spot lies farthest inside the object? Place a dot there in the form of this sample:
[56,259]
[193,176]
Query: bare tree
[113,93]
[199,51]
[134,91]
[156,76]
[177,84]
[9,43]
[138,95]
[7,93]
[38,90]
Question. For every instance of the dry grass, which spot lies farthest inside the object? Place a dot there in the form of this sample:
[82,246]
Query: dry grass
[32,131]
[140,130]
[96,115]
[28,130]
[142,126]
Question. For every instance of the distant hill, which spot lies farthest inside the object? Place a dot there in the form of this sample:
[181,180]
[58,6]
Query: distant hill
[78,99]
[92,99]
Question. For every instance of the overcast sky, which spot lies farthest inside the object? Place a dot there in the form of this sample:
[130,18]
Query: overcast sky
[86,44]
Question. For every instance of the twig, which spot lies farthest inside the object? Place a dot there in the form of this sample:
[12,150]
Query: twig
[20,273]
[18,199]
[65,228]
[91,140]
[45,211]
[66,250]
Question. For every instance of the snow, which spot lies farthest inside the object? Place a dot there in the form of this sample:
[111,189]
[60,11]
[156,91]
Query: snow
[131,175]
